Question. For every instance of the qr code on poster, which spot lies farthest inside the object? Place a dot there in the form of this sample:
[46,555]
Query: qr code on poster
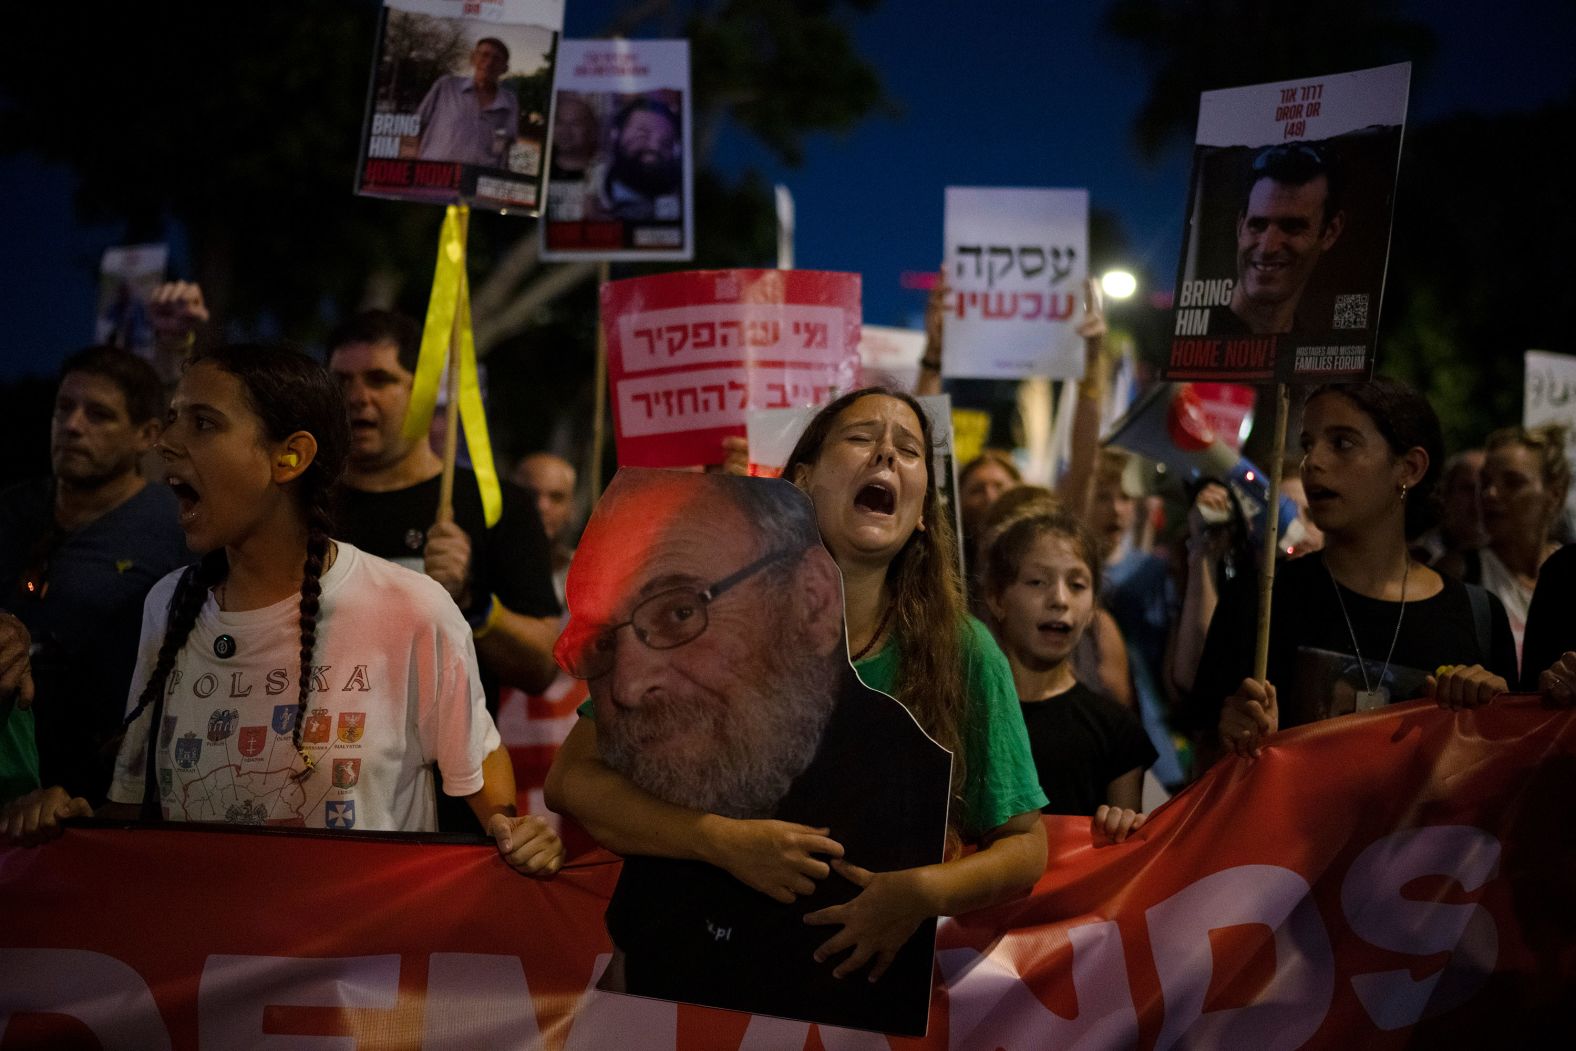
[1351,311]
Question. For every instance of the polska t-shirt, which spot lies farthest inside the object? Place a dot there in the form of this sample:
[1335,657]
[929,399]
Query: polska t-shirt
[394,690]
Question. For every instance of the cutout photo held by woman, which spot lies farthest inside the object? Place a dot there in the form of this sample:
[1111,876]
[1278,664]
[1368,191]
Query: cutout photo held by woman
[864,461]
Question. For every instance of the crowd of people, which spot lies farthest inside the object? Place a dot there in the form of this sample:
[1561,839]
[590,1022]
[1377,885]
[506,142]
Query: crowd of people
[251,607]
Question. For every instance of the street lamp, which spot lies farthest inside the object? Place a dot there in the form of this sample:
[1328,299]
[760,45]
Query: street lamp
[1119,284]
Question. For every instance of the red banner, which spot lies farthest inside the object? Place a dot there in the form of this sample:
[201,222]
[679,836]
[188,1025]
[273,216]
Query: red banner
[1395,878]
[688,353]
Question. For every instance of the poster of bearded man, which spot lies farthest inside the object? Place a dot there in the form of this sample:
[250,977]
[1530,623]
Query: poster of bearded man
[707,619]
[620,182]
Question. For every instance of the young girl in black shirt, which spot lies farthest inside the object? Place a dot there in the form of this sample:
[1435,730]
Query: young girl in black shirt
[1361,623]
[1041,577]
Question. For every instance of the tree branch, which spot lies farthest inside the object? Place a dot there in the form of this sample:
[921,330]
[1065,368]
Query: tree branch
[490,331]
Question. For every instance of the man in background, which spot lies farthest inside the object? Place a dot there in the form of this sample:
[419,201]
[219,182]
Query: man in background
[78,553]
[387,505]
[552,479]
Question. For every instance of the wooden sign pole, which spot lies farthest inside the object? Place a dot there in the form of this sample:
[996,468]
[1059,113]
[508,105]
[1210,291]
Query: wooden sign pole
[599,392]
[1261,647]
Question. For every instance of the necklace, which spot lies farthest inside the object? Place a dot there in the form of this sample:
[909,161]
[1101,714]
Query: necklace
[891,605]
[1372,696]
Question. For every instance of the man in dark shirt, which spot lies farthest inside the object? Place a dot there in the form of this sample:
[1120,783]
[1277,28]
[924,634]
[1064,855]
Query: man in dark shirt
[387,505]
[78,553]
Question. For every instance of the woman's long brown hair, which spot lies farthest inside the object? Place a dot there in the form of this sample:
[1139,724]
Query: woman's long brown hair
[928,593]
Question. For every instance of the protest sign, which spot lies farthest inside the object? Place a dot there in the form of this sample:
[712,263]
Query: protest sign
[1015,263]
[128,274]
[1550,397]
[689,353]
[620,183]
[889,357]
[1228,409]
[1288,229]
[970,428]
[729,594]
[457,108]
[1418,901]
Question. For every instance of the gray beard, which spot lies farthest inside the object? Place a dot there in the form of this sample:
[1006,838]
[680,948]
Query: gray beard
[757,744]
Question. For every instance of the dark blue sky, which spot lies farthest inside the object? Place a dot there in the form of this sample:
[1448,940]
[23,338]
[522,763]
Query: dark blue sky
[992,93]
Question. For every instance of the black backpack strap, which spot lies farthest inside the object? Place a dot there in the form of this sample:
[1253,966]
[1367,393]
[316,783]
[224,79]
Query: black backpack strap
[1482,624]
[1471,567]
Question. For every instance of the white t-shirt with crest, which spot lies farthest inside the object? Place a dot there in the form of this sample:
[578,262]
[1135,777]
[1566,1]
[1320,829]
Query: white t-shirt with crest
[395,690]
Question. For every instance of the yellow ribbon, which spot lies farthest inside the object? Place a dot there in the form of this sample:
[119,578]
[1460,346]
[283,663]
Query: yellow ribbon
[450,294]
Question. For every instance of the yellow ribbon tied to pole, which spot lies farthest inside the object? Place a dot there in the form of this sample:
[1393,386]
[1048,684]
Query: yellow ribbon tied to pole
[447,340]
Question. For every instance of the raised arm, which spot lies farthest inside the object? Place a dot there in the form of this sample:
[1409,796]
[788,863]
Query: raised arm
[930,363]
[1076,488]
[1205,547]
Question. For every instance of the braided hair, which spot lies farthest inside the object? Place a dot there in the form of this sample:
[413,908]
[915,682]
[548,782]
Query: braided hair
[288,392]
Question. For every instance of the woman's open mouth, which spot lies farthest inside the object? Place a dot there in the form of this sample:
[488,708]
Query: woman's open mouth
[186,496]
[876,498]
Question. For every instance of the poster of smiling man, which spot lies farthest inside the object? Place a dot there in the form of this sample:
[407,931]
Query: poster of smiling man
[1288,230]
[457,109]
[707,618]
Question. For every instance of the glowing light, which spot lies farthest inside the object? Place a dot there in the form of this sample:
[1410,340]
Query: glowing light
[1119,284]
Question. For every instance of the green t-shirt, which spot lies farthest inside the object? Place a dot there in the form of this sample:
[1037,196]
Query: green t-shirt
[1000,781]
[18,756]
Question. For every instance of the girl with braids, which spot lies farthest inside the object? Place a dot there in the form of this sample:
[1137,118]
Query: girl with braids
[864,460]
[290,679]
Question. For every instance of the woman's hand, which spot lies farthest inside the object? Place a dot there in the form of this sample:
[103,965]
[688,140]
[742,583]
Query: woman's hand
[777,858]
[876,923]
[1247,716]
[1113,824]
[35,818]
[735,456]
[16,668]
[1464,686]
[935,312]
[1206,519]
[527,843]
[1558,683]
[1092,326]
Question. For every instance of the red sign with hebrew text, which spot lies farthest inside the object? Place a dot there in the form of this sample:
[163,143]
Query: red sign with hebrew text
[689,353]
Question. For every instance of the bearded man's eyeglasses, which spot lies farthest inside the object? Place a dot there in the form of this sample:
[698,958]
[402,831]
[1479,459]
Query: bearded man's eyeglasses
[664,621]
